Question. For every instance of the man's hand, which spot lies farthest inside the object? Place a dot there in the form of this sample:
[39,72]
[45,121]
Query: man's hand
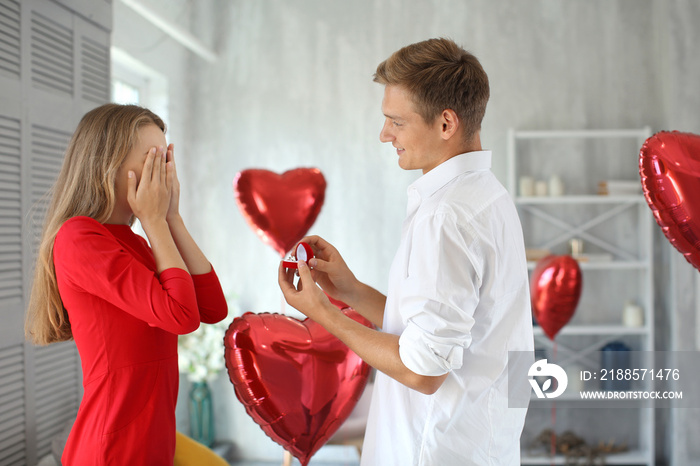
[306,297]
[330,271]
[379,350]
[332,274]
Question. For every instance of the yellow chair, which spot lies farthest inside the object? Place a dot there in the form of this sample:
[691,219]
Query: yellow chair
[188,452]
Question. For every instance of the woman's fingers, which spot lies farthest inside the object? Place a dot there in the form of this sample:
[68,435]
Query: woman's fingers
[150,198]
[157,161]
[131,188]
[163,171]
[170,174]
[147,170]
[170,154]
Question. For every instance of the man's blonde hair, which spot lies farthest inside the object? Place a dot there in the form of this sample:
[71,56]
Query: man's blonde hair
[439,75]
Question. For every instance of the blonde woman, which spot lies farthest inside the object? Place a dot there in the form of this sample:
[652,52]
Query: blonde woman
[123,301]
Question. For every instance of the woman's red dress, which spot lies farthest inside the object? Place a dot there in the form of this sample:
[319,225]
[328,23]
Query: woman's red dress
[125,320]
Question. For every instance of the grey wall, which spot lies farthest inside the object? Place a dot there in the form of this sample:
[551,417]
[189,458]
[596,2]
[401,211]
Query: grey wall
[293,88]
[682,92]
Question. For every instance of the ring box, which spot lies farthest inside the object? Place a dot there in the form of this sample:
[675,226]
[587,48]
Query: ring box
[301,252]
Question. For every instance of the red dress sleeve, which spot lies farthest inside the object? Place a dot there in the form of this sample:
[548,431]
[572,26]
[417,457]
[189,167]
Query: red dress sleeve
[90,259]
[210,298]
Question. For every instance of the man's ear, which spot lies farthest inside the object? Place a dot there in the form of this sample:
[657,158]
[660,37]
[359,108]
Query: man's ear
[450,124]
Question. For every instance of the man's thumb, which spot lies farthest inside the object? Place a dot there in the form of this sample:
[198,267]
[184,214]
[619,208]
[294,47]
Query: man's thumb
[304,271]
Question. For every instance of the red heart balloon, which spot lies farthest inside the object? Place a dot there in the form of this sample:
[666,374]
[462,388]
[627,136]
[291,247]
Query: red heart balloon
[298,382]
[555,288]
[280,208]
[669,166]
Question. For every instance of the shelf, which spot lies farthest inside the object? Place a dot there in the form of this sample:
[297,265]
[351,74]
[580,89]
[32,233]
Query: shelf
[580,199]
[626,458]
[595,330]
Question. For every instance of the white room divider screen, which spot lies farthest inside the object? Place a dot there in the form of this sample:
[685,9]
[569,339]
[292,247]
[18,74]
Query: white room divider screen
[54,66]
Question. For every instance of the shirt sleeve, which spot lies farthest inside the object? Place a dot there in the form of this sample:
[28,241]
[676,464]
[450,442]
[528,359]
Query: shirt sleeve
[89,259]
[438,297]
[210,297]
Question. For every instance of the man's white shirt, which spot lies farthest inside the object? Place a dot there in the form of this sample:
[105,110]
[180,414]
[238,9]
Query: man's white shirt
[458,297]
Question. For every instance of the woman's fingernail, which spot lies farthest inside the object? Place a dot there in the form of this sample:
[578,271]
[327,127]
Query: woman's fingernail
[302,263]
[313,262]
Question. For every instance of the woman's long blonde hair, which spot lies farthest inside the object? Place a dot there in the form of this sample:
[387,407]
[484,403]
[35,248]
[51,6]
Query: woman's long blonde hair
[84,187]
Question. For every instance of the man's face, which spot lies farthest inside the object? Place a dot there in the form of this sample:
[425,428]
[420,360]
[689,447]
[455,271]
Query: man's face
[417,143]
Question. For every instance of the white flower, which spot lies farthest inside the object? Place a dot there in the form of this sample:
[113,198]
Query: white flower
[201,353]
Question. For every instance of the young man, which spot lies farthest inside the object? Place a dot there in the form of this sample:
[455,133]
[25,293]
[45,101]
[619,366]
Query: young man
[458,298]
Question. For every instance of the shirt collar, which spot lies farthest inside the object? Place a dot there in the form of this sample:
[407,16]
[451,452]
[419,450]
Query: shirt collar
[448,170]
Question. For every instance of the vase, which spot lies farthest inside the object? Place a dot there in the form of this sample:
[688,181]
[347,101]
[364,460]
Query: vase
[201,413]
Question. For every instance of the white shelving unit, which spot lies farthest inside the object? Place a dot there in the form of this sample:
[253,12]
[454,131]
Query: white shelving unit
[617,266]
